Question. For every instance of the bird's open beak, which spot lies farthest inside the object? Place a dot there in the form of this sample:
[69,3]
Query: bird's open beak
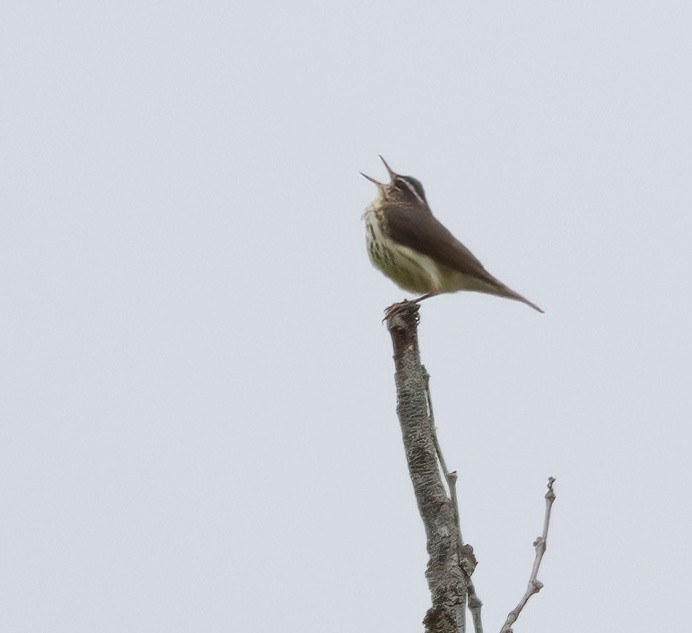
[381,185]
[392,174]
[371,179]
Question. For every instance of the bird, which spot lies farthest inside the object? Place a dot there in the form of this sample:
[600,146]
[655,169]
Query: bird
[410,245]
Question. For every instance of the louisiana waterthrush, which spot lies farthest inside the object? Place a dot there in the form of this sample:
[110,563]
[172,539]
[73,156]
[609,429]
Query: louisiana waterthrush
[411,247]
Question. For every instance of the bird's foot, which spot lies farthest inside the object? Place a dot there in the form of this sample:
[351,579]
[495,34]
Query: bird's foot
[397,308]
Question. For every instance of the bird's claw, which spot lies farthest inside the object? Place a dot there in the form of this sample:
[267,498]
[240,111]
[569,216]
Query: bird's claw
[395,308]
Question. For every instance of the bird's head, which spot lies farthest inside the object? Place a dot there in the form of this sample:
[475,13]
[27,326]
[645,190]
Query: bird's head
[399,189]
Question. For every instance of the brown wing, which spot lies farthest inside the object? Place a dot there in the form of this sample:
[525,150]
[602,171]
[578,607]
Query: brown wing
[420,230]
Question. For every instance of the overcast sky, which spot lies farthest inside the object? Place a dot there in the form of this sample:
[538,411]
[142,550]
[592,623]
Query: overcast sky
[197,408]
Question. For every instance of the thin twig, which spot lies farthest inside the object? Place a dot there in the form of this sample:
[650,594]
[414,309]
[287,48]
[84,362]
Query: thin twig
[539,544]
[467,561]
[475,605]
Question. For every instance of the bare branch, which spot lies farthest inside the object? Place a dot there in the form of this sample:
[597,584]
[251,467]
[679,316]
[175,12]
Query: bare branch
[539,544]
[451,563]
[445,572]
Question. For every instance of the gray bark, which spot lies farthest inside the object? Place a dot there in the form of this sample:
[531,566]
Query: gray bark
[446,579]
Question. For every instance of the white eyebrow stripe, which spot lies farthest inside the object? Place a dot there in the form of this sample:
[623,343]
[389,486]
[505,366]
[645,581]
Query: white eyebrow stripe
[412,189]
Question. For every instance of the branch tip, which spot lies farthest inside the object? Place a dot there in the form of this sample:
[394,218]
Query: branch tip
[539,544]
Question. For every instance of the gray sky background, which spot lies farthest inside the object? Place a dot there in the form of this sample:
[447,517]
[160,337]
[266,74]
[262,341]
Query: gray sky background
[197,408]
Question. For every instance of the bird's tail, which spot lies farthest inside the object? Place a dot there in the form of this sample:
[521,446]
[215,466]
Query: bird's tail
[505,291]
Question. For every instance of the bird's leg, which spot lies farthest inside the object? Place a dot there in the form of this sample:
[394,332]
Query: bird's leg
[427,295]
